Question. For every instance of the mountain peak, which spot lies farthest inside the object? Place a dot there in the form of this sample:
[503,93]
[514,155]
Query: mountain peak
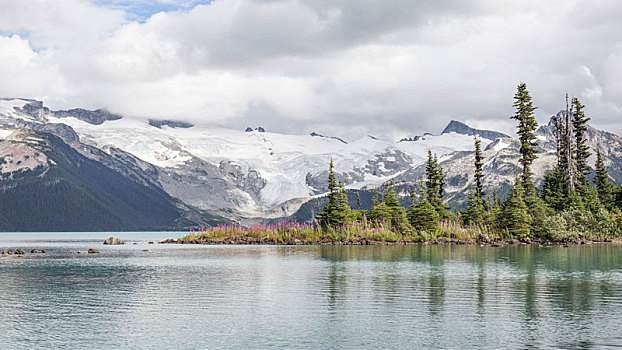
[462,128]
[170,123]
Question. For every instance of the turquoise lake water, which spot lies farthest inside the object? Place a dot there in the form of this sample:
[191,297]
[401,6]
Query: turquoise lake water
[276,297]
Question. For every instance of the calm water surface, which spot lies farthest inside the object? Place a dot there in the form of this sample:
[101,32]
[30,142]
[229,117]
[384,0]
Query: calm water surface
[261,297]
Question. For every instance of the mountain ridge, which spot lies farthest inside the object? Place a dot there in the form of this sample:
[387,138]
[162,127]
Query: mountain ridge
[259,176]
[462,128]
[47,185]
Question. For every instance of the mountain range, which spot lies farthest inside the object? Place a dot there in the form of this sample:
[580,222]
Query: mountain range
[84,169]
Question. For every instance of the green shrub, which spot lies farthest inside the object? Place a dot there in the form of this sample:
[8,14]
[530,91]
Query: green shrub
[560,227]
[575,223]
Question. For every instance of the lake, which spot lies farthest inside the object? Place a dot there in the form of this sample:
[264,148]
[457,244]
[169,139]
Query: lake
[305,297]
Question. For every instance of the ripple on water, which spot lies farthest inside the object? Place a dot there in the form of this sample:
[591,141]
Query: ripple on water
[183,297]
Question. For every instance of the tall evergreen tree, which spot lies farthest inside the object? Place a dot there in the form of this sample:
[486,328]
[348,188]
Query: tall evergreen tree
[435,183]
[565,154]
[343,208]
[421,215]
[375,198]
[432,184]
[514,214]
[603,186]
[581,149]
[527,125]
[474,213]
[553,192]
[479,172]
[440,178]
[337,210]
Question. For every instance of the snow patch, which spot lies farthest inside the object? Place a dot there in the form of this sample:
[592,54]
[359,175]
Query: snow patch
[7,106]
[4,133]
[499,146]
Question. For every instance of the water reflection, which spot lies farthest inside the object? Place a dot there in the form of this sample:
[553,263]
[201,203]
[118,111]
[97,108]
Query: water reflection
[524,292]
[336,287]
[315,297]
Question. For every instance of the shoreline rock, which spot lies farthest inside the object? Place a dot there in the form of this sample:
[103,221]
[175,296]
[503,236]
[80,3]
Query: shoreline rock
[90,251]
[113,241]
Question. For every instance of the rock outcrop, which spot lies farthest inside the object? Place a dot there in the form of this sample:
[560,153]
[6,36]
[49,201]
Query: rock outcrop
[461,128]
[113,241]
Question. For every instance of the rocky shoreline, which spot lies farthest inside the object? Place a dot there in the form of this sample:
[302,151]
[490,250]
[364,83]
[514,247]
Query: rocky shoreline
[19,252]
[482,241]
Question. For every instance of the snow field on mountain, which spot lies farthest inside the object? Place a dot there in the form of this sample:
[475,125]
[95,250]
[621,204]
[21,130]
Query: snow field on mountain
[7,107]
[282,160]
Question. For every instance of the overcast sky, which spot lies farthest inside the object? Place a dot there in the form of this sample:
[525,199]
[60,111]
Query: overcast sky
[386,67]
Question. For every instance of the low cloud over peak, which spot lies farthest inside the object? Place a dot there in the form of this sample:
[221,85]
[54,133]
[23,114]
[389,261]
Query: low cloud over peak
[392,66]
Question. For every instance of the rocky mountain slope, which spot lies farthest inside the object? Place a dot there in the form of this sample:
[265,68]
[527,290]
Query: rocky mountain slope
[48,186]
[501,159]
[254,174]
[237,173]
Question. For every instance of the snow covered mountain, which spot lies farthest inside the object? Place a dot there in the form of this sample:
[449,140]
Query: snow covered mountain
[238,173]
[501,159]
[46,185]
[253,174]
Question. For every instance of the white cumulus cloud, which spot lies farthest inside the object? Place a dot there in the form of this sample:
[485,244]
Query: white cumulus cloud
[394,67]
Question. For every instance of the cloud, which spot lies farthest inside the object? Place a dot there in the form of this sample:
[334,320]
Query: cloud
[63,24]
[395,67]
[24,72]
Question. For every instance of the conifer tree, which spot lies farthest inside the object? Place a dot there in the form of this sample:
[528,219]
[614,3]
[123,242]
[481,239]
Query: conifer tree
[527,125]
[565,150]
[380,213]
[479,172]
[440,178]
[494,208]
[474,213]
[337,210]
[553,192]
[432,184]
[422,216]
[374,199]
[389,197]
[565,164]
[332,182]
[495,199]
[603,186]
[581,149]
[396,213]
[514,214]
[435,186]
[343,208]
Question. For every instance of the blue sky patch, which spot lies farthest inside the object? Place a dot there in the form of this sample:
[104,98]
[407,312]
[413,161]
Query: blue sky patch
[141,10]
